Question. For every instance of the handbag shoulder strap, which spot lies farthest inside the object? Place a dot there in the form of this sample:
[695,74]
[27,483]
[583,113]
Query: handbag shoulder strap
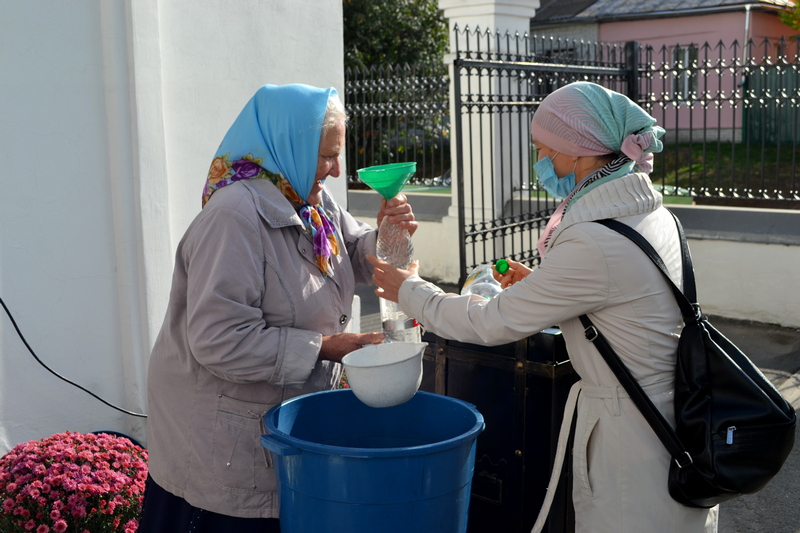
[687,299]
[660,426]
[690,311]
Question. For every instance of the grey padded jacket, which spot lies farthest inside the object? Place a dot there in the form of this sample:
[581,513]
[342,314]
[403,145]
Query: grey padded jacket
[247,311]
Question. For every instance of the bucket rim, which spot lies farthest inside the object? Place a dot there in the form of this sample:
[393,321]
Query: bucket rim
[353,362]
[349,451]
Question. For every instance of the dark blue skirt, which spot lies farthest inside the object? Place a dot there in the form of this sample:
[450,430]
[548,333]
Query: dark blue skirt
[163,512]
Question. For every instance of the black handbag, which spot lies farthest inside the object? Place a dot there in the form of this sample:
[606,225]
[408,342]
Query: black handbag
[733,428]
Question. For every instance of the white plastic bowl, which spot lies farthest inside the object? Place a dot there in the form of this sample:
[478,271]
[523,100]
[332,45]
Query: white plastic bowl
[383,375]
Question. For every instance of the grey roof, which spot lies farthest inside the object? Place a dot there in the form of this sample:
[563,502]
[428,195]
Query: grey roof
[611,8]
[554,11]
[558,10]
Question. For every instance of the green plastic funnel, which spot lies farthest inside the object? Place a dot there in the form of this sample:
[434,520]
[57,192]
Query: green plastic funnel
[388,180]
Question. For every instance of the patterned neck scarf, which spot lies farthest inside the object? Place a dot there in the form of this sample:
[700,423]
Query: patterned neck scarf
[621,163]
[276,137]
[323,233]
[316,221]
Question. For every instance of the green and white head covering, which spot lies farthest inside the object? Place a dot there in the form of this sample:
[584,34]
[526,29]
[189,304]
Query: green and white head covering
[586,119]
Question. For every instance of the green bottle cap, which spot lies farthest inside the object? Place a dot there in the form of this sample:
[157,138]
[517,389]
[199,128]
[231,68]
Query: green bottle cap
[502,266]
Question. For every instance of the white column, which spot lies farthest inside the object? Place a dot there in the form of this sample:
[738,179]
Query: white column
[126,186]
[484,156]
[150,160]
[512,15]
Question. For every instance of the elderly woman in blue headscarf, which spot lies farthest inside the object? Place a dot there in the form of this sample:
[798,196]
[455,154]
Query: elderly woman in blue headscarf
[261,295]
[595,150]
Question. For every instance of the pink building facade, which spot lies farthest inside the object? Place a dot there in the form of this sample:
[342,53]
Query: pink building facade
[700,68]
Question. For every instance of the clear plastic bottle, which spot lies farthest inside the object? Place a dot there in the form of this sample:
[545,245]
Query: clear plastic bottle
[395,247]
[481,282]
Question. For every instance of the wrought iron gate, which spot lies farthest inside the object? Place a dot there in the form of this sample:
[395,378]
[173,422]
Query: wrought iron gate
[732,115]
[499,81]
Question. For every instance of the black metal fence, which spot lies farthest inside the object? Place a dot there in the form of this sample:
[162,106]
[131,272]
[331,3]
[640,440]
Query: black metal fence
[732,115]
[499,81]
[397,115]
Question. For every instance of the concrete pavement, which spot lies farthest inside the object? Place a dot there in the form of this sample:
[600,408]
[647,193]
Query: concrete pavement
[775,508]
[776,351]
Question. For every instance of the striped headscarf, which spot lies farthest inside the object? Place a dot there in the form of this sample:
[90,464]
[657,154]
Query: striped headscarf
[586,119]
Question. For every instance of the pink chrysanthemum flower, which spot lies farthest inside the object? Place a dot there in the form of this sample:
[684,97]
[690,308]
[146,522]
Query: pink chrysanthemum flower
[72,481]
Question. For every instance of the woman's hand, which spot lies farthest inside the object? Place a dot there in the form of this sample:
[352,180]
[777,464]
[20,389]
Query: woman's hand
[388,278]
[399,212]
[334,347]
[516,271]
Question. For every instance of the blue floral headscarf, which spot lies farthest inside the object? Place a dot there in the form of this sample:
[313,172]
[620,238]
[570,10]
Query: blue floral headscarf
[276,136]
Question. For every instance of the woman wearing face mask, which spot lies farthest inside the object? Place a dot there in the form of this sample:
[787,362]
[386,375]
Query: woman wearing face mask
[595,150]
[262,292]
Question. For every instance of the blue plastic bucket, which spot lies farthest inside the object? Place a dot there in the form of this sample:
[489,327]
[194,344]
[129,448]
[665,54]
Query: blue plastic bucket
[344,466]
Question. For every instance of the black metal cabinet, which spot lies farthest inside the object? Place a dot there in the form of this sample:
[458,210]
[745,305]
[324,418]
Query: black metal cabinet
[520,389]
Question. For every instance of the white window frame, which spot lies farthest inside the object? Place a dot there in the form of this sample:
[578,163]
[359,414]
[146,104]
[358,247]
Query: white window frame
[685,83]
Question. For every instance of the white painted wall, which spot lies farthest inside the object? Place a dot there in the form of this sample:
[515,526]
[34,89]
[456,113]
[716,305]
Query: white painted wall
[435,247]
[748,281]
[110,113]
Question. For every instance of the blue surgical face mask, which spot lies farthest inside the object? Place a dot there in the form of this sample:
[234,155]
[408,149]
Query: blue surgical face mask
[546,175]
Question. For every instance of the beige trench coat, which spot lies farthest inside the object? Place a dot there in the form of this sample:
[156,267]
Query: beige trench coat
[620,467]
[248,308]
